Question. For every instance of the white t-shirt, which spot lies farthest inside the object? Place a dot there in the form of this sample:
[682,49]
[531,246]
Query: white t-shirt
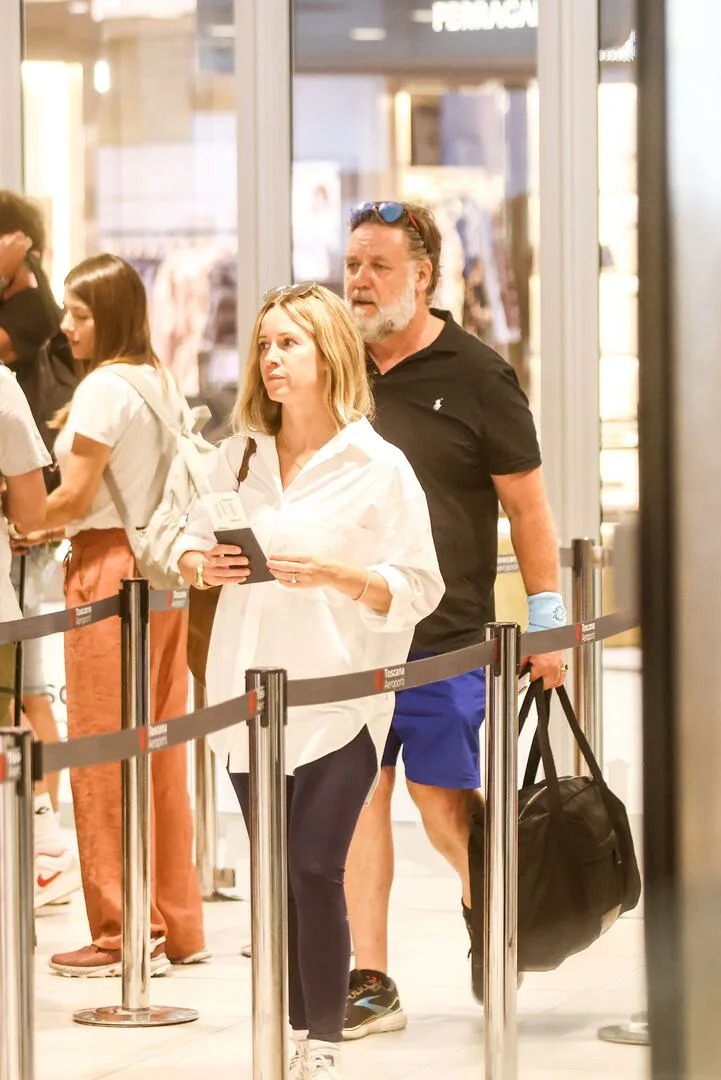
[357,500]
[110,411]
[21,451]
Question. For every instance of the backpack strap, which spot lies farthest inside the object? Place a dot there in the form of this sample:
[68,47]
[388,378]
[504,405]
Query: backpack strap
[152,398]
[119,503]
[158,407]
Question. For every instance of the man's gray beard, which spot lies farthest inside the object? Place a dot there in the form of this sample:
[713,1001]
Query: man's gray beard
[389,319]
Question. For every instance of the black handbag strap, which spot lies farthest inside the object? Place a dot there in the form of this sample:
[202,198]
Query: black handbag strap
[534,752]
[543,712]
[593,766]
[542,698]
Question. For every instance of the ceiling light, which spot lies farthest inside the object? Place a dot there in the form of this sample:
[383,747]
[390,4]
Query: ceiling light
[368,33]
[78,7]
[422,15]
[101,76]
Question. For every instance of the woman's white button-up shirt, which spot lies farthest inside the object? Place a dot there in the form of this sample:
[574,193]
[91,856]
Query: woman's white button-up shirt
[358,501]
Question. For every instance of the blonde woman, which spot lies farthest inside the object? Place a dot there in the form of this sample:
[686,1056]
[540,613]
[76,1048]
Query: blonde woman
[345,526]
[108,424]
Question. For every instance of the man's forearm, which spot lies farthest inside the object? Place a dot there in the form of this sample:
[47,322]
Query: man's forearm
[533,535]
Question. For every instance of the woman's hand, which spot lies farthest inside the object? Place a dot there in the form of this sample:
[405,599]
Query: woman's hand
[13,249]
[309,572]
[224,564]
[20,543]
[305,571]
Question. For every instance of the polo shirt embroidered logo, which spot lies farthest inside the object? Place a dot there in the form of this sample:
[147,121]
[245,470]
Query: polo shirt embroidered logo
[439,402]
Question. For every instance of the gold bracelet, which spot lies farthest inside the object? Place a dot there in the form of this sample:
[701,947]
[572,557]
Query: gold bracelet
[199,582]
[358,599]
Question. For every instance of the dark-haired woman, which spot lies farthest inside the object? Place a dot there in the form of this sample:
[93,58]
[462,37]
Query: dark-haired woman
[109,425]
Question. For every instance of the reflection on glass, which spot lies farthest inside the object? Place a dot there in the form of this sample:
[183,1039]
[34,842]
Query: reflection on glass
[618,282]
[130,147]
[423,111]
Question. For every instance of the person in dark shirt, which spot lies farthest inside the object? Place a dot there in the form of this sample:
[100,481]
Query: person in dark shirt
[27,314]
[456,410]
[29,317]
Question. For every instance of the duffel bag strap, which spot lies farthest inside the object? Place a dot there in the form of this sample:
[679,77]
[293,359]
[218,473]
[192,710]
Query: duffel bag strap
[534,753]
[578,735]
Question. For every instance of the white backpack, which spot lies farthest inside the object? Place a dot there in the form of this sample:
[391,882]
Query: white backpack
[187,466]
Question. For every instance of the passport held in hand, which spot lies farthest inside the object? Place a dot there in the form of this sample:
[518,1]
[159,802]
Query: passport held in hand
[244,538]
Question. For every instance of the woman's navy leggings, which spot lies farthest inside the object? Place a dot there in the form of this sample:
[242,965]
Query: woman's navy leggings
[324,800]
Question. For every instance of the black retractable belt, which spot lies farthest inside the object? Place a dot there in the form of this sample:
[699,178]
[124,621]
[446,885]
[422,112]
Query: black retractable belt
[18,694]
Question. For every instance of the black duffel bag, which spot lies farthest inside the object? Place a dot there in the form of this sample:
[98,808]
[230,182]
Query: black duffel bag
[577,869]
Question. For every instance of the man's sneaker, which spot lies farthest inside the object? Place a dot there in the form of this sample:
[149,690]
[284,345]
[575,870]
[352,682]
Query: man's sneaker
[476,957]
[322,1060]
[372,1006]
[94,963]
[56,877]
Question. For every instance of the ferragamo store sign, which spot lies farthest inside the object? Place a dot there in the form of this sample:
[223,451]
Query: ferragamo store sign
[455,15]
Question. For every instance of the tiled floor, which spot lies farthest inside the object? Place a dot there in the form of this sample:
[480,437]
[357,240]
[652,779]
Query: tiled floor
[559,1012]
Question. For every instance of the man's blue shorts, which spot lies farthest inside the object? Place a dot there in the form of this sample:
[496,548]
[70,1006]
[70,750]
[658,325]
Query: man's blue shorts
[438,728]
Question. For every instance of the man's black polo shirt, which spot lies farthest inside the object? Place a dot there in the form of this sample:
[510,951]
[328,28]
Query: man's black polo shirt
[457,412]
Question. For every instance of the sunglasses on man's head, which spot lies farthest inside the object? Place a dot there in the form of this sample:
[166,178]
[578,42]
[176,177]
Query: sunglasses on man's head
[295,292]
[387,212]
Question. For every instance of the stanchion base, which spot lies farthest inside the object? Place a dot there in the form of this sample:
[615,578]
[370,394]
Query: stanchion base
[117,1016]
[223,886]
[634,1033]
[221,896]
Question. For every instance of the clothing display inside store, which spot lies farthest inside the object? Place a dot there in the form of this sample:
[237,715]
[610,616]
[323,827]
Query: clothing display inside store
[193,315]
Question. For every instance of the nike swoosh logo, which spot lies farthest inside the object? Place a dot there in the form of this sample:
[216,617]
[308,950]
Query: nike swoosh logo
[44,882]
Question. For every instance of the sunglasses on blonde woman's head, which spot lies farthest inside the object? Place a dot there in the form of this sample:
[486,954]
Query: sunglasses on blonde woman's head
[295,292]
[388,212]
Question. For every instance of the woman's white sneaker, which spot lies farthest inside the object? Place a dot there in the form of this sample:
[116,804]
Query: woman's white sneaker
[322,1060]
[297,1070]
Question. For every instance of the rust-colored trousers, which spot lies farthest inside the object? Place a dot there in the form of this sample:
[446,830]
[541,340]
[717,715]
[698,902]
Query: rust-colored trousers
[100,559]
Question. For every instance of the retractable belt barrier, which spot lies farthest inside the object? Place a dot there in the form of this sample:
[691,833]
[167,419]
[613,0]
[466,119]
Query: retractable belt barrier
[264,707]
[123,745]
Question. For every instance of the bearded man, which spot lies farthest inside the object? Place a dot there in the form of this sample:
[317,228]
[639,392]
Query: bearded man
[456,410]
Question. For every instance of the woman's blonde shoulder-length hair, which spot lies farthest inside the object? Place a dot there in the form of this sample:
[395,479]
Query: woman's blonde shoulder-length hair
[115,295]
[326,318]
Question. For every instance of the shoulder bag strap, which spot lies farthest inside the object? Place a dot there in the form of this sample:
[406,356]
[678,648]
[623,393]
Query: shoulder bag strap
[250,448]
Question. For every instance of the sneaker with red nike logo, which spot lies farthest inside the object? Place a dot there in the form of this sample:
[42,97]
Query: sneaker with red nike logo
[56,877]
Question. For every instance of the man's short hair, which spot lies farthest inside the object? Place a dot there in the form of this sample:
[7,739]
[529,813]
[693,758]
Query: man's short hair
[20,214]
[424,242]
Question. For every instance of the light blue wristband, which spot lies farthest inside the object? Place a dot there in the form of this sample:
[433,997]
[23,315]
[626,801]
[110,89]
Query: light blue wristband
[545,612]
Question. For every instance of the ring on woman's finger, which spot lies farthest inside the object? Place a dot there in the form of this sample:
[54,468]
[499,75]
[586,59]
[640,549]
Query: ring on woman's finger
[294,579]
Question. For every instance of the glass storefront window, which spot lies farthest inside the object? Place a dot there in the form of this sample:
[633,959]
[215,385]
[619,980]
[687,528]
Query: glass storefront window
[129,143]
[618,281]
[407,103]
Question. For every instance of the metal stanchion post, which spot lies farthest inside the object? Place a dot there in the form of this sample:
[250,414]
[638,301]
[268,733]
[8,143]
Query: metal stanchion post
[211,878]
[26,894]
[12,982]
[268,874]
[587,674]
[19,662]
[500,922]
[136,1010]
